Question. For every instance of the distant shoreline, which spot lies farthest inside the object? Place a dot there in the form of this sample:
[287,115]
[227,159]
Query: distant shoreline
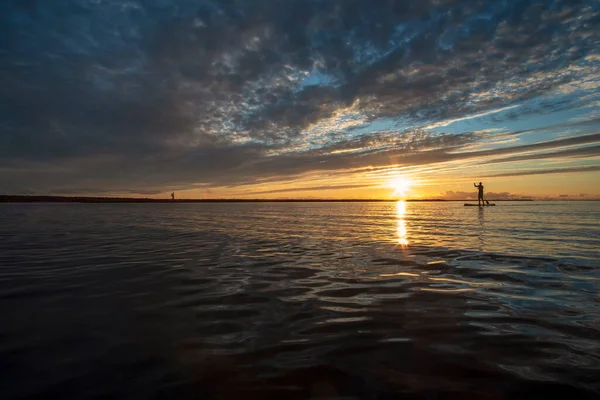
[82,199]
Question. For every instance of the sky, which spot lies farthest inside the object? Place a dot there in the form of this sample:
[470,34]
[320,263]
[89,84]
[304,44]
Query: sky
[288,99]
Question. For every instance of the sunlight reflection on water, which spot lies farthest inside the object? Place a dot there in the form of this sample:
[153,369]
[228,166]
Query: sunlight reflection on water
[401,231]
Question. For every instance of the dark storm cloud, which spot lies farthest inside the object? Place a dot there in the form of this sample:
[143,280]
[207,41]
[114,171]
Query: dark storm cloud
[150,94]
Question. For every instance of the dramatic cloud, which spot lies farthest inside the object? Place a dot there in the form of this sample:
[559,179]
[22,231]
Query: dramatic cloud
[145,96]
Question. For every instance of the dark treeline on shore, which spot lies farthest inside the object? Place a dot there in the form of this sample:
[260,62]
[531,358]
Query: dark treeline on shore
[77,199]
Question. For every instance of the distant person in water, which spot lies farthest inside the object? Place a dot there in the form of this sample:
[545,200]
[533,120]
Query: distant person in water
[173,196]
[480,200]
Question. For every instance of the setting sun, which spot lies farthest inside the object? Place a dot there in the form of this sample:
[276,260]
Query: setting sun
[401,185]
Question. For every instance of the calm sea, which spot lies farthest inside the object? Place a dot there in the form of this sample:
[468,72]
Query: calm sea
[300,300]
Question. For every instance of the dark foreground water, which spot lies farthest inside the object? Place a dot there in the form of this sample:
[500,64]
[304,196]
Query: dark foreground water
[300,300]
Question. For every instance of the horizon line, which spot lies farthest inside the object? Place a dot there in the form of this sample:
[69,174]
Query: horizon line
[111,199]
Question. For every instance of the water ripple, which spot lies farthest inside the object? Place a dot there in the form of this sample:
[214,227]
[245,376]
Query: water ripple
[299,300]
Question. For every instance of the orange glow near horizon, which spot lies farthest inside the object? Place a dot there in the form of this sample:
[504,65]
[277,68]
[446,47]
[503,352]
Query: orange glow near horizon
[396,183]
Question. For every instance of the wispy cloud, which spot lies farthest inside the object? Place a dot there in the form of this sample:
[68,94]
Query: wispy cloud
[307,189]
[565,170]
[478,115]
[592,151]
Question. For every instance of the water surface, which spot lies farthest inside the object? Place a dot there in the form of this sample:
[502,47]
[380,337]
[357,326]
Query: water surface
[299,300]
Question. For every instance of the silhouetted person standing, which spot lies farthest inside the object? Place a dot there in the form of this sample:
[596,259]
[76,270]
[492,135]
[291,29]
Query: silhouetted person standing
[173,196]
[480,200]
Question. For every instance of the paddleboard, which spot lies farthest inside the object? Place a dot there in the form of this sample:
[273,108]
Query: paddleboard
[477,205]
